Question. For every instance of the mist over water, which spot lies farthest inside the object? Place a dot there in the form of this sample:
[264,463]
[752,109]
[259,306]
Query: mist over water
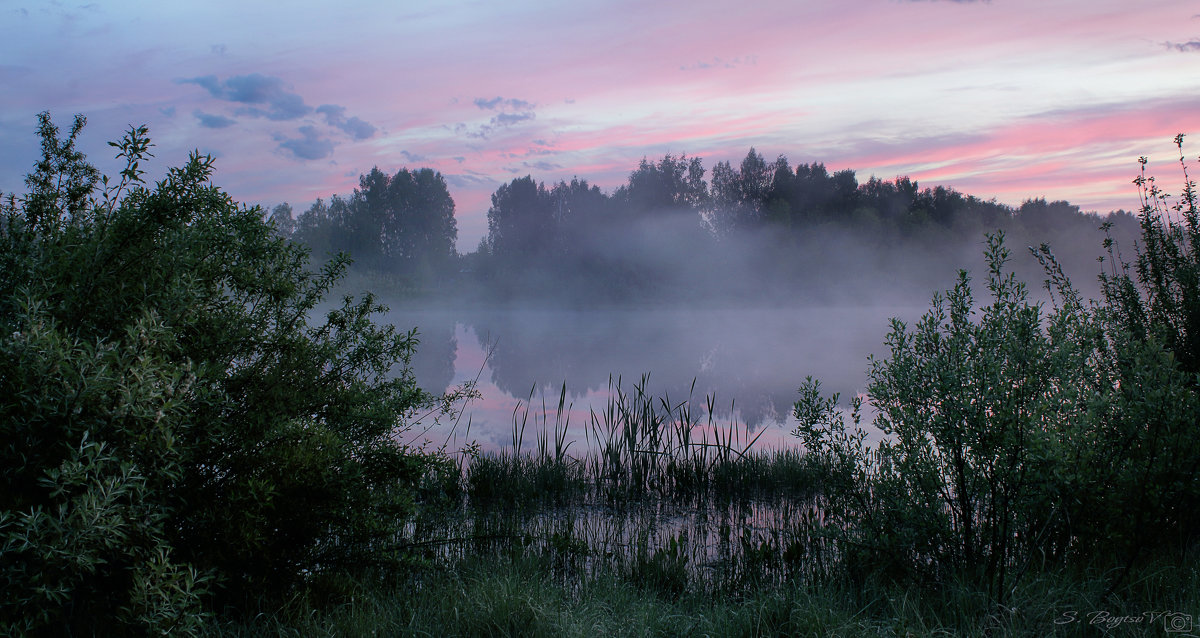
[751,360]
[729,295]
[747,346]
[739,328]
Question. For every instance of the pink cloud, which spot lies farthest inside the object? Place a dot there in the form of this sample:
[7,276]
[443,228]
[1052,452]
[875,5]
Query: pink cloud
[1088,155]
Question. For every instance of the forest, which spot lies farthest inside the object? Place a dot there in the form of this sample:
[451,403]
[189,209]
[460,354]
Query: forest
[200,435]
[676,232]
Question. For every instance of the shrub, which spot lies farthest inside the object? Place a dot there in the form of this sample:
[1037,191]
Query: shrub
[1012,439]
[1161,300]
[171,425]
[1153,317]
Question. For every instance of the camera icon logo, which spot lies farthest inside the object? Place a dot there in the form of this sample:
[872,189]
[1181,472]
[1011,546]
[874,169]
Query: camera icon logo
[1176,622]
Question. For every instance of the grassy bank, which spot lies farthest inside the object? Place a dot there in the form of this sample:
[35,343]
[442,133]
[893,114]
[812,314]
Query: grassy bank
[663,529]
[518,595]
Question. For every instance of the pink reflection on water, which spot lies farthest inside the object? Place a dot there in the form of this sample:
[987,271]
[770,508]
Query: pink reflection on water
[494,419]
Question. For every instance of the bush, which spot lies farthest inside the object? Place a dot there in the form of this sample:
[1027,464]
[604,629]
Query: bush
[1161,300]
[1012,439]
[171,426]
[1153,315]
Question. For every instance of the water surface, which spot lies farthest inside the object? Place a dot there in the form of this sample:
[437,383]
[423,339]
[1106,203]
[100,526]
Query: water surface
[750,360]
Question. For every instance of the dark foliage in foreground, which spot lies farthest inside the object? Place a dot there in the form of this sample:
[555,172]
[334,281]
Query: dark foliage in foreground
[1020,440]
[174,435]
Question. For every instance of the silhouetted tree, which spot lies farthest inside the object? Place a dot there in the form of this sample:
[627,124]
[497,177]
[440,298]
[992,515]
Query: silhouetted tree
[738,199]
[403,223]
[580,211]
[316,228]
[420,229]
[674,183]
[521,220]
[1041,217]
[281,217]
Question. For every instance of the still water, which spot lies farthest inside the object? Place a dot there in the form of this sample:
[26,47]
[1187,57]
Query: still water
[749,360]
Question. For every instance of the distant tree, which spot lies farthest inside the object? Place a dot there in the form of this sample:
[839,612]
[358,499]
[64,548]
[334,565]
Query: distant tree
[777,209]
[845,191]
[319,227]
[521,222]
[809,196]
[940,205]
[404,223]
[738,198]
[674,183]
[891,200]
[580,211]
[281,217]
[419,230]
[725,199]
[754,180]
[1042,217]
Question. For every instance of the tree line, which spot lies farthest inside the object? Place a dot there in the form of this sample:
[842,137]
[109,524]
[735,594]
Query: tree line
[636,237]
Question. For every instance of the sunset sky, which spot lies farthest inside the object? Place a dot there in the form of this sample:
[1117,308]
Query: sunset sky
[1010,99]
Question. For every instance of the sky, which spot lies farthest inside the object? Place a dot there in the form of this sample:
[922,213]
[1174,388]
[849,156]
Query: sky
[1007,99]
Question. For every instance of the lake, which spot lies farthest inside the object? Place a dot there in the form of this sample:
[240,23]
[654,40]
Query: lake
[750,360]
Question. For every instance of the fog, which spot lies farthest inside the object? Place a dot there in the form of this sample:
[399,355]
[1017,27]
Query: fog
[731,291]
[700,325]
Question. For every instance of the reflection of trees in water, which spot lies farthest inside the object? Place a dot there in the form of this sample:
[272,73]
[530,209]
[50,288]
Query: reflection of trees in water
[433,362]
[750,362]
[533,349]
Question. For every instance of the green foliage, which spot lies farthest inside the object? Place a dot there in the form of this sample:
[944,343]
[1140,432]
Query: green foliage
[1161,300]
[1011,439]
[89,442]
[497,596]
[401,224]
[172,426]
[1153,317]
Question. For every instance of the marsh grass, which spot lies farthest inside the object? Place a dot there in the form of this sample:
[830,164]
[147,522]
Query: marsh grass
[664,495]
[639,447]
[520,595]
[663,528]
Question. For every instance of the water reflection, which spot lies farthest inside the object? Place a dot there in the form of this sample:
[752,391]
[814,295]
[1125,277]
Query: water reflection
[752,360]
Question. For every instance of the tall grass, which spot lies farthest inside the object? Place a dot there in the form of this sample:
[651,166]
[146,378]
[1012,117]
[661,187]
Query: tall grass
[669,523]
[520,595]
[663,494]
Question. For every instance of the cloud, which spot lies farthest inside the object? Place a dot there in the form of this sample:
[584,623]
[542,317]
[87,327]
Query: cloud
[542,166]
[511,103]
[356,128]
[511,111]
[213,121]
[470,179]
[255,89]
[310,146]
[480,133]
[1184,47]
[168,111]
[508,119]
[412,157]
